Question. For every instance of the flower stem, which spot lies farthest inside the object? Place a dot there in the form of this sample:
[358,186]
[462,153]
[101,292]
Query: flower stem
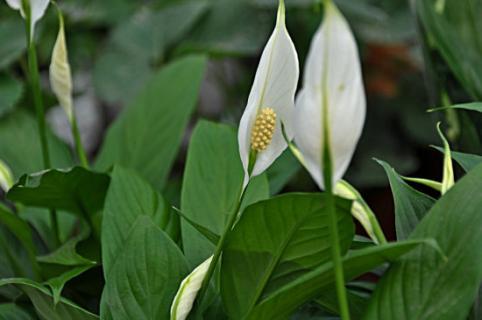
[334,235]
[219,249]
[78,144]
[34,79]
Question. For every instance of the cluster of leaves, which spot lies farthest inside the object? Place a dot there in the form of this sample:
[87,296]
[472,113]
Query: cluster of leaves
[124,250]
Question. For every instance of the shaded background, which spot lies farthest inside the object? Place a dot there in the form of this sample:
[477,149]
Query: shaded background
[115,46]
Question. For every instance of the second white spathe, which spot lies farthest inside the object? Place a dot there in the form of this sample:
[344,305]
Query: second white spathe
[332,87]
[37,10]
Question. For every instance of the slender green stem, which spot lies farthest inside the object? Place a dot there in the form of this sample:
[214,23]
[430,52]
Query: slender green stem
[34,79]
[334,236]
[219,248]
[78,143]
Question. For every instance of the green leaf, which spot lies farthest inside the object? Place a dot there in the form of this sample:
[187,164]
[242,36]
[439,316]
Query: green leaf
[12,37]
[11,311]
[147,135]
[20,145]
[276,241]
[425,286]
[282,302]
[76,190]
[212,183]
[471,106]
[146,275]
[466,160]
[143,40]
[10,92]
[410,205]
[22,232]
[128,198]
[66,255]
[43,302]
[453,27]
[208,234]
[57,284]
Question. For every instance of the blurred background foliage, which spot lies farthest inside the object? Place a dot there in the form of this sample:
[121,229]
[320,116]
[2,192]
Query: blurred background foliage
[415,56]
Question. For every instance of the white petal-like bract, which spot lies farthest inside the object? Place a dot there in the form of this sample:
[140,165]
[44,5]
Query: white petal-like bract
[332,87]
[274,87]
[190,286]
[60,74]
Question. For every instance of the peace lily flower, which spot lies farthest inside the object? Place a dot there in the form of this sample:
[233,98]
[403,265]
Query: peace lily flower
[37,10]
[60,74]
[6,177]
[190,286]
[332,88]
[270,103]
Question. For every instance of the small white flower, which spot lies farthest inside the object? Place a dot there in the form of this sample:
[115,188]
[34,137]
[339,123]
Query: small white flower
[6,177]
[188,290]
[37,10]
[60,74]
[270,103]
[333,87]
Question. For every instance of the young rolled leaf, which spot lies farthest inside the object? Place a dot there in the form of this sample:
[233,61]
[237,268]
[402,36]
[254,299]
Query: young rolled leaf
[37,10]
[6,177]
[361,211]
[60,74]
[187,292]
[448,179]
[270,102]
[332,87]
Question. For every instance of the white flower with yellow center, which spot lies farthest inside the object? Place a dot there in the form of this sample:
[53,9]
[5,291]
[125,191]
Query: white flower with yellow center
[270,103]
[333,88]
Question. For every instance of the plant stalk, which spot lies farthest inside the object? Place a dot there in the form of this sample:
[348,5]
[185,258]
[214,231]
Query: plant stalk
[79,147]
[34,78]
[219,249]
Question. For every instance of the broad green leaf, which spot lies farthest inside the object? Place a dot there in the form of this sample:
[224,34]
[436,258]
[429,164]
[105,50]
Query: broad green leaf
[10,92]
[98,13]
[128,198]
[425,286]
[147,135]
[15,261]
[76,190]
[466,160]
[208,234]
[20,145]
[275,242]
[143,40]
[11,311]
[43,302]
[22,232]
[410,205]
[211,187]
[146,275]
[453,28]
[12,37]
[282,302]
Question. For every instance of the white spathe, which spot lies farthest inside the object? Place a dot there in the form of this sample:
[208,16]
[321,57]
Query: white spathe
[60,74]
[333,87]
[274,87]
[188,290]
[37,9]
